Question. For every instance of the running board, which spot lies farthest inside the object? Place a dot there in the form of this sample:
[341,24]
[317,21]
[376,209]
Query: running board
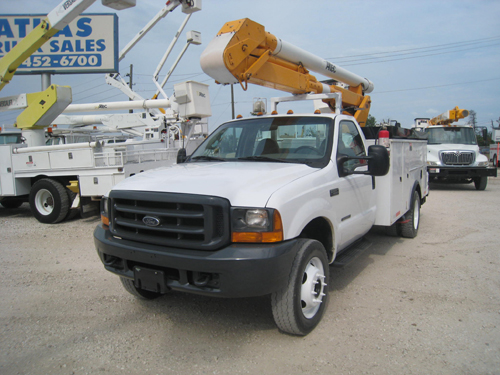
[351,253]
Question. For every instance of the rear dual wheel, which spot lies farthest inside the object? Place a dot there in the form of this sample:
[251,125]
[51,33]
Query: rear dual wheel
[49,201]
[409,228]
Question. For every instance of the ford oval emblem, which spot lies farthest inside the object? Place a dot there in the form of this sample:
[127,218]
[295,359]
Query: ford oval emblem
[151,221]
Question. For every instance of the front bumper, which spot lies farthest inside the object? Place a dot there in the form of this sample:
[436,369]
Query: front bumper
[460,173]
[238,270]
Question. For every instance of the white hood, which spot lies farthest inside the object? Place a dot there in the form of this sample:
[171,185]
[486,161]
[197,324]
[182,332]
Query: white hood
[243,183]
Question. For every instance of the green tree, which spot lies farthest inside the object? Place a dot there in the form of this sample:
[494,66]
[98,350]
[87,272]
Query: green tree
[370,121]
[472,118]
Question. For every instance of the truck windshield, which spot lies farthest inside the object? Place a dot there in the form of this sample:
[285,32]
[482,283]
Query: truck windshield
[451,135]
[290,139]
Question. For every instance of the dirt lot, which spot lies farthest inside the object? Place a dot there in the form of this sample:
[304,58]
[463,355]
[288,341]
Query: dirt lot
[430,305]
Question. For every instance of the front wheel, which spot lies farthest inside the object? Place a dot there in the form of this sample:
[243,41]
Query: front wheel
[495,161]
[300,305]
[480,182]
[409,228]
[49,201]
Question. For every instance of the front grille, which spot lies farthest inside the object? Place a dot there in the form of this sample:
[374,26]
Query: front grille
[167,219]
[457,157]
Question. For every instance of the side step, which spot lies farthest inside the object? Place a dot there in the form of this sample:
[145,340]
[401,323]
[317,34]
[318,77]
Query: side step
[351,253]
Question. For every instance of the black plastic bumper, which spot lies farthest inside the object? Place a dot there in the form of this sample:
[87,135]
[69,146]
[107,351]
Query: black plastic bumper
[237,270]
[459,173]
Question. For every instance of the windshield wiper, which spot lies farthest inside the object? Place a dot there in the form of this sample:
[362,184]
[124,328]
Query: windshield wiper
[265,158]
[208,158]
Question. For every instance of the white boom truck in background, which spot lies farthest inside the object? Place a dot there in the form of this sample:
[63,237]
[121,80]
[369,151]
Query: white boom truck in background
[59,180]
[495,147]
[267,203]
[452,150]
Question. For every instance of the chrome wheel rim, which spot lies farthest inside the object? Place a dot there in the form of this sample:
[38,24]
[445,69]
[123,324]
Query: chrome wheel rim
[312,289]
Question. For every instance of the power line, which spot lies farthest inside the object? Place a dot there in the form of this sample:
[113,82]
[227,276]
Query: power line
[415,57]
[420,48]
[431,87]
[93,95]
[419,52]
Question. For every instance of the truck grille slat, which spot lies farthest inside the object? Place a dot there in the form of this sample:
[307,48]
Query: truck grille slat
[164,228]
[457,157]
[150,211]
[172,220]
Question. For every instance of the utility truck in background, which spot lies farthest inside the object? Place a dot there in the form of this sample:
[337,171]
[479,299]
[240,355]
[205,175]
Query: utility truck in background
[495,147]
[61,178]
[265,204]
[452,151]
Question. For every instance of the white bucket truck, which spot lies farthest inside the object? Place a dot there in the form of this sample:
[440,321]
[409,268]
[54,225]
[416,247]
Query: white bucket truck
[263,207]
[453,154]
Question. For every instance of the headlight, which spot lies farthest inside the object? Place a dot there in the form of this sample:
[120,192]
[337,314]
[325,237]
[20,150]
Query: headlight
[105,211]
[431,163]
[256,225]
[482,164]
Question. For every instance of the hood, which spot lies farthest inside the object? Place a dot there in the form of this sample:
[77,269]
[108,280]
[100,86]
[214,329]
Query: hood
[243,183]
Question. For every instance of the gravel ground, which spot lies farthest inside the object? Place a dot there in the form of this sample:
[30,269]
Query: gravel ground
[429,305]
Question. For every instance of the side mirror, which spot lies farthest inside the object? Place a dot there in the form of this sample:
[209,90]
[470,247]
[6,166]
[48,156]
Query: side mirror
[378,162]
[181,156]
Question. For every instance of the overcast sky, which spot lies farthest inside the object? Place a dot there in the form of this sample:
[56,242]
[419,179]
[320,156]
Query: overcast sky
[424,57]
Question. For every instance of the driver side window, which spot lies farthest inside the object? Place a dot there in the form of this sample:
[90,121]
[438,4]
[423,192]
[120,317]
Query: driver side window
[350,143]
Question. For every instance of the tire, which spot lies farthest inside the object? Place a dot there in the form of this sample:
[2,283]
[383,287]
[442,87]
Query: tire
[481,182]
[11,203]
[136,292]
[71,212]
[409,228]
[49,201]
[495,161]
[300,305]
[394,230]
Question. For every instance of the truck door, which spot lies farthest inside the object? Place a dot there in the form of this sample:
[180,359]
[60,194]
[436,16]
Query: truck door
[356,203]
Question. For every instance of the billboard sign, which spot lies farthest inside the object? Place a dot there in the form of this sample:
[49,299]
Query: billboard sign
[89,44]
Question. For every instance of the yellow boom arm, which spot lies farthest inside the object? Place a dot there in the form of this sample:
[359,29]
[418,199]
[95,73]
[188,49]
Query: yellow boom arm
[448,117]
[243,52]
[24,49]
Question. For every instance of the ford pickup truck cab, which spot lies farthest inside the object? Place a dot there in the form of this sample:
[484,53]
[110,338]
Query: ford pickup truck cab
[263,206]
